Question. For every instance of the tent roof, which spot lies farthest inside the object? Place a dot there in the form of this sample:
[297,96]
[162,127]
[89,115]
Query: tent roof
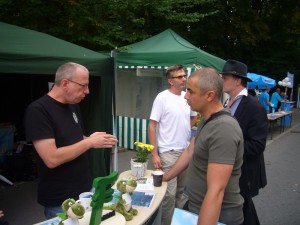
[163,50]
[24,51]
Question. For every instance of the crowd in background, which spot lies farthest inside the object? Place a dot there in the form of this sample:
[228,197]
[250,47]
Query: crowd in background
[270,98]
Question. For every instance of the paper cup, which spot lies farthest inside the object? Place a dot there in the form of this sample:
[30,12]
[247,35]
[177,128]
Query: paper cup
[157,178]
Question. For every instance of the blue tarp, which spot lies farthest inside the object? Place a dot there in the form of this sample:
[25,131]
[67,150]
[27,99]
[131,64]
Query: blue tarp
[260,81]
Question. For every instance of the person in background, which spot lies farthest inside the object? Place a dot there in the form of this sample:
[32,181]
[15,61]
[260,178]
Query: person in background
[253,121]
[169,132]
[276,98]
[284,97]
[214,156]
[264,99]
[54,125]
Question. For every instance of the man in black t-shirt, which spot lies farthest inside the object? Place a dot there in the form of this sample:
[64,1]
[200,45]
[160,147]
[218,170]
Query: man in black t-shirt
[54,125]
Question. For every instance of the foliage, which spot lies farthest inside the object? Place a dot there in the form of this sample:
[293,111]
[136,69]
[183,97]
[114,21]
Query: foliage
[262,33]
[143,151]
[102,25]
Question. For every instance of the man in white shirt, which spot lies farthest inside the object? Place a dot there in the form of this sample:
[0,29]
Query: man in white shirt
[169,132]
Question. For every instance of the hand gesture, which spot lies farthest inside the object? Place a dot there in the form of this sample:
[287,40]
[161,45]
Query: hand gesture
[103,140]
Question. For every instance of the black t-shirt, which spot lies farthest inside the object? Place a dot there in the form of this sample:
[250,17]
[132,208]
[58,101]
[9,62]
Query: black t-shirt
[47,118]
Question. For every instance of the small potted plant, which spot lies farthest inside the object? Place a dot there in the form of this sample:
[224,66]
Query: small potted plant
[140,161]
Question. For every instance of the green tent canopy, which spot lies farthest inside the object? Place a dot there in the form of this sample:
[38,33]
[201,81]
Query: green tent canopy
[30,52]
[29,60]
[163,50]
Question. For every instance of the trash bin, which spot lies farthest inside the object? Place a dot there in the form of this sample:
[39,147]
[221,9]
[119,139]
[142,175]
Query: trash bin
[287,107]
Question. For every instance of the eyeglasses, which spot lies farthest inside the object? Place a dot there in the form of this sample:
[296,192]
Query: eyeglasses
[82,85]
[180,77]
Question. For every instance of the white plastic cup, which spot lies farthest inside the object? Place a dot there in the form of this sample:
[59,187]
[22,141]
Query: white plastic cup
[85,200]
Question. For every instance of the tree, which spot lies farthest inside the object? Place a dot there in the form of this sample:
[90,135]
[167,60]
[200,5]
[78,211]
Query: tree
[262,33]
[102,25]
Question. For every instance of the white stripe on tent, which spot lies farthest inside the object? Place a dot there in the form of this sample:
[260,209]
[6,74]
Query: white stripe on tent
[190,69]
[143,67]
[131,130]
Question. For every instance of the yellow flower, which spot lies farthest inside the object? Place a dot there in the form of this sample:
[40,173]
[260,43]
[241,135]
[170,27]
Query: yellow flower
[198,119]
[143,151]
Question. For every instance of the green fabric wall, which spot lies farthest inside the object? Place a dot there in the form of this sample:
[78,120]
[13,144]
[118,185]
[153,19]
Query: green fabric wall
[97,115]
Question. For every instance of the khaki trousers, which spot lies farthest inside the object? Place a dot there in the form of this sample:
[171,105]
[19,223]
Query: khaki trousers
[174,194]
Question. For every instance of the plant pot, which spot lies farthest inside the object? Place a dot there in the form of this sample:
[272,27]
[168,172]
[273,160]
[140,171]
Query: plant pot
[138,169]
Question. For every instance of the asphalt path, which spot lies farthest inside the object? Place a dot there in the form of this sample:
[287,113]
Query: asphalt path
[279,202]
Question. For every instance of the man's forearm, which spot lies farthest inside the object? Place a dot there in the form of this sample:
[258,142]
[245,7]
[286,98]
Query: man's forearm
[210,209]
[152,140]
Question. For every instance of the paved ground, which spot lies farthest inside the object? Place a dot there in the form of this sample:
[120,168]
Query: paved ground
[277,204]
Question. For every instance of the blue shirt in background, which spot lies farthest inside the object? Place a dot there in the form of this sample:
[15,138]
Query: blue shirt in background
[275,99]
[263,98]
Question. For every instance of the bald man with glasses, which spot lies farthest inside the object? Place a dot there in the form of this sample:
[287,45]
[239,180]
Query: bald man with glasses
[54,126]
[169,132]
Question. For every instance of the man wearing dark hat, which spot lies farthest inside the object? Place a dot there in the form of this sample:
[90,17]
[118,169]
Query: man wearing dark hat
[253,121]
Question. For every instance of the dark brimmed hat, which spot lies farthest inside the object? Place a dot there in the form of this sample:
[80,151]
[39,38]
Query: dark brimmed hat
[236,68]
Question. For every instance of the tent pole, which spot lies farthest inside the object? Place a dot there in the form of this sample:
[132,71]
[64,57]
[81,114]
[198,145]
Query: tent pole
[114,105]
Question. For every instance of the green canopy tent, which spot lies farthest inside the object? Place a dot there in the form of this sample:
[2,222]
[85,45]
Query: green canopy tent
[163,50]
[29,60]
[140,69]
